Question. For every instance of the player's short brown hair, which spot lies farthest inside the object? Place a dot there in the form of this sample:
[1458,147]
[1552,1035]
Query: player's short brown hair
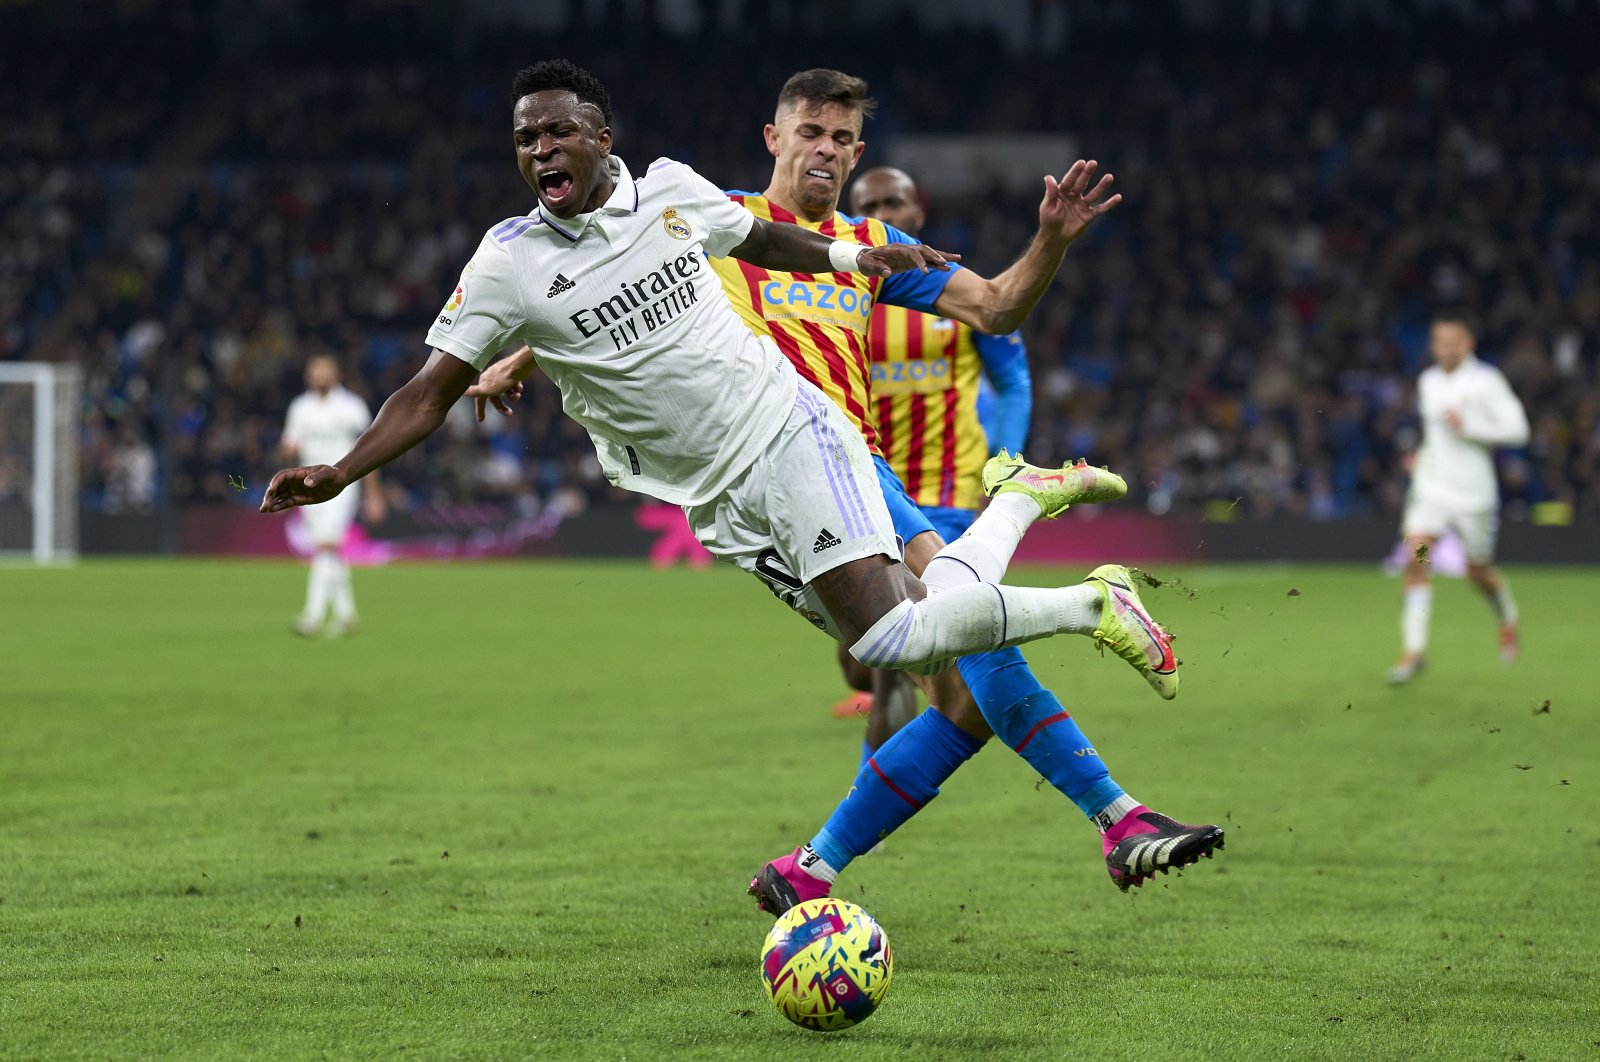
[821,86]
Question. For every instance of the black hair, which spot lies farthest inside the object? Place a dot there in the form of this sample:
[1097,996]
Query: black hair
[1457,317]
[827,86]
[562,74]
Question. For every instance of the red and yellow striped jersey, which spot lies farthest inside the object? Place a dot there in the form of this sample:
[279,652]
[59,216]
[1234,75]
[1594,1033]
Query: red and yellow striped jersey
[925,372]
[820,320]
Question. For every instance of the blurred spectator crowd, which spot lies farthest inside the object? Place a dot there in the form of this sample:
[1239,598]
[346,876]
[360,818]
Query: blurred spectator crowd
[196,216]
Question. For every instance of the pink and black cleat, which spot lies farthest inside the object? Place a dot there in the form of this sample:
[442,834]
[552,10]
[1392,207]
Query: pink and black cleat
[783,883]
[1146,841]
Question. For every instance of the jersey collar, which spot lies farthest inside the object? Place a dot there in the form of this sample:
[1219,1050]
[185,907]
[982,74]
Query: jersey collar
[624,200]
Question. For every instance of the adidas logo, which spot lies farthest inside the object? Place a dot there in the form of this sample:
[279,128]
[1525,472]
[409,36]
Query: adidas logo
[557,286]
[825,541]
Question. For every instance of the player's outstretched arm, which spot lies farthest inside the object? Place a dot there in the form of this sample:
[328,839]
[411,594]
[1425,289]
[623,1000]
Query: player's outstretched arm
[410,415]
[1497,419]
[1001,305]
[792,249]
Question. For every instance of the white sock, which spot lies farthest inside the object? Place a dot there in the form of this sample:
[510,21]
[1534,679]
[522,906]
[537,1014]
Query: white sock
[815,865]
[927,636]
[344,597]
[984,552]
[1414,615]
[319,586]
[1503,603]
[1114,812]
[1031,612]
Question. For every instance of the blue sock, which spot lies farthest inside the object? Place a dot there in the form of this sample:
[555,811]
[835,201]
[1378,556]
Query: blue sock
[894,783]
[1029,719]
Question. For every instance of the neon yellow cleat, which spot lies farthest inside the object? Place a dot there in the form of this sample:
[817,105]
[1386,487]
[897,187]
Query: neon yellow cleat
[1055,489]
[1127,630]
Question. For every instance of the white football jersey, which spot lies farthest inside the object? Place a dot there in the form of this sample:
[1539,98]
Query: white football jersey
[624,314]
[1456,469]
[322,429]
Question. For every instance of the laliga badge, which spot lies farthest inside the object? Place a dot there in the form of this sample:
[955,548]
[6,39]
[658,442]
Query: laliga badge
[452,309]
[676,227]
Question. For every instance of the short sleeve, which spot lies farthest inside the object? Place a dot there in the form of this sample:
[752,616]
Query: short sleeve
[1002,356]
[914,289]
[294,425]
[484,313]
[727,223]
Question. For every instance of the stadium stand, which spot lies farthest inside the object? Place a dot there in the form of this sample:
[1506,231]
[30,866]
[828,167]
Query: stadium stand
[1239,340]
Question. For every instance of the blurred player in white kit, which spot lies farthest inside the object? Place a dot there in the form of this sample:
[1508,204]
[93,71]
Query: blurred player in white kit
[1467,410]
[322,425]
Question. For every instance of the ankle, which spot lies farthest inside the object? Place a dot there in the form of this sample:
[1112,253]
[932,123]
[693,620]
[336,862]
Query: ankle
[1113,813]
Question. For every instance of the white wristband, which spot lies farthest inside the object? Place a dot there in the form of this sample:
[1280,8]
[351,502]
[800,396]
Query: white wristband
[845,257]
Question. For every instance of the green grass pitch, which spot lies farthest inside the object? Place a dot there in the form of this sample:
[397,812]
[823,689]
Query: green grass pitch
[516,815]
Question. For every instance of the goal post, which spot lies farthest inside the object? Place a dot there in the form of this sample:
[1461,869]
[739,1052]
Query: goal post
[39,405]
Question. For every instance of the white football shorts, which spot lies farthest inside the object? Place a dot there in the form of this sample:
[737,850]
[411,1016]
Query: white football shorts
[808,504]
[326,522]
[1477,530]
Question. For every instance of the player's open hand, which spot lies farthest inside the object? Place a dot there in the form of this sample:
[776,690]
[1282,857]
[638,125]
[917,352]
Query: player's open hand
[498,387]
[894,258]
[302,486]
[1071,203]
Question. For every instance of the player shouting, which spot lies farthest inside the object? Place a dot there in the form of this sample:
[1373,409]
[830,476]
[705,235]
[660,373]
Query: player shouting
[818,318]
[608,279]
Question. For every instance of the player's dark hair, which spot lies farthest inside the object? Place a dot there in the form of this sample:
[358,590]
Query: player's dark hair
[1457,317]
[562,74]
[821,86]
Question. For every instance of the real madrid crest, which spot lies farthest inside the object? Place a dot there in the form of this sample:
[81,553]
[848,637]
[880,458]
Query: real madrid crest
[676,227]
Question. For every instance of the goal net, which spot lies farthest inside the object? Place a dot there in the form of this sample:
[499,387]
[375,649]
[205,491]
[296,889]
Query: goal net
[39,461]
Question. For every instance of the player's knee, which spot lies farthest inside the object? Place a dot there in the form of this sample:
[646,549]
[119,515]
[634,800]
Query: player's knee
[963,711]
[856,674]
[902,641]
[928,636]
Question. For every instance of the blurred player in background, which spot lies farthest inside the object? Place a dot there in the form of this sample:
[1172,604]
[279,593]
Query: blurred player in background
[1467,410]
[822,323]
[925,376]
[321,427]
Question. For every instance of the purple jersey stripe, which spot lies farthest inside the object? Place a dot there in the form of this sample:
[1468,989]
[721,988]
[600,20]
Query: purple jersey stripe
[905,634]
[846,473]
[841,501]
[511,223]
[569,235]
[901,628]
[518,230]
[849,478]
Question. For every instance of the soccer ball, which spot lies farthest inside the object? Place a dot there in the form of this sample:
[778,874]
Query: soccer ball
[826,964]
